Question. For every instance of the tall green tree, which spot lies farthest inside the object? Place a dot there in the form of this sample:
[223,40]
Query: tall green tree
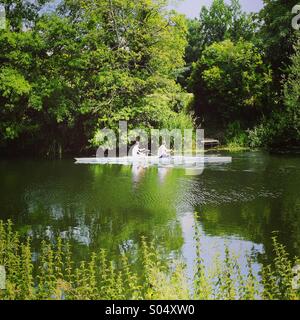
[86,66]
[277,37]
[291,112]
[22,13]
[217,23]
[18,50]
[281,130]
[230,82]
[225,21]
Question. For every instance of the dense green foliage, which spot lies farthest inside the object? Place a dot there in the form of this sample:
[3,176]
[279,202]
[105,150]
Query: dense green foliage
[230,82]
[243,78]
[88,65]
[54,275]
[83,66]
[277,37]
[283,127]
[220,22]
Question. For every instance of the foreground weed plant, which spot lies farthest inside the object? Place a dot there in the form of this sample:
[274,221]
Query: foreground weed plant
[53,274]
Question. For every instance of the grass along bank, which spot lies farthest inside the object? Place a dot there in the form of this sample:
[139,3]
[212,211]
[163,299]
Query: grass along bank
[54,275]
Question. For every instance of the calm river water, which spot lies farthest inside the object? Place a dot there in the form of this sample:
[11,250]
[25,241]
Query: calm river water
[112,207]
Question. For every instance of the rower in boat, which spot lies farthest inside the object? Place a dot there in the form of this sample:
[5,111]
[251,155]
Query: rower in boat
[163,152]
[137,151]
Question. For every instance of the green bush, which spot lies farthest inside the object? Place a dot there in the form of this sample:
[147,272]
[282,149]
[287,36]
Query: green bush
[279,131]
[282,128]
[235,136]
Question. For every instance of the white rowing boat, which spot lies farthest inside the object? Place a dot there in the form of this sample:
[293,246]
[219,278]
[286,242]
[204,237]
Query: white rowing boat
[180,161]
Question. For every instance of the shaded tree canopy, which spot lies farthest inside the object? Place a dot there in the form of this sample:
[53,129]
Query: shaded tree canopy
[68,72]
[88,65]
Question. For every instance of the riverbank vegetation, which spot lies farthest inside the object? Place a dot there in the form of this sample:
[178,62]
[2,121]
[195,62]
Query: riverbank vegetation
[85,65]
[53,274]
[243,69]
[80,66]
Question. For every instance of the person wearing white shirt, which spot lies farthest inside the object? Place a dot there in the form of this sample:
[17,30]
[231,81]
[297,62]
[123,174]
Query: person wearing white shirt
[137,151]
[163,152]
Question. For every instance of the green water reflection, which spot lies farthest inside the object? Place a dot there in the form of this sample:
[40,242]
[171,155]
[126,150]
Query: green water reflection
[111,207]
